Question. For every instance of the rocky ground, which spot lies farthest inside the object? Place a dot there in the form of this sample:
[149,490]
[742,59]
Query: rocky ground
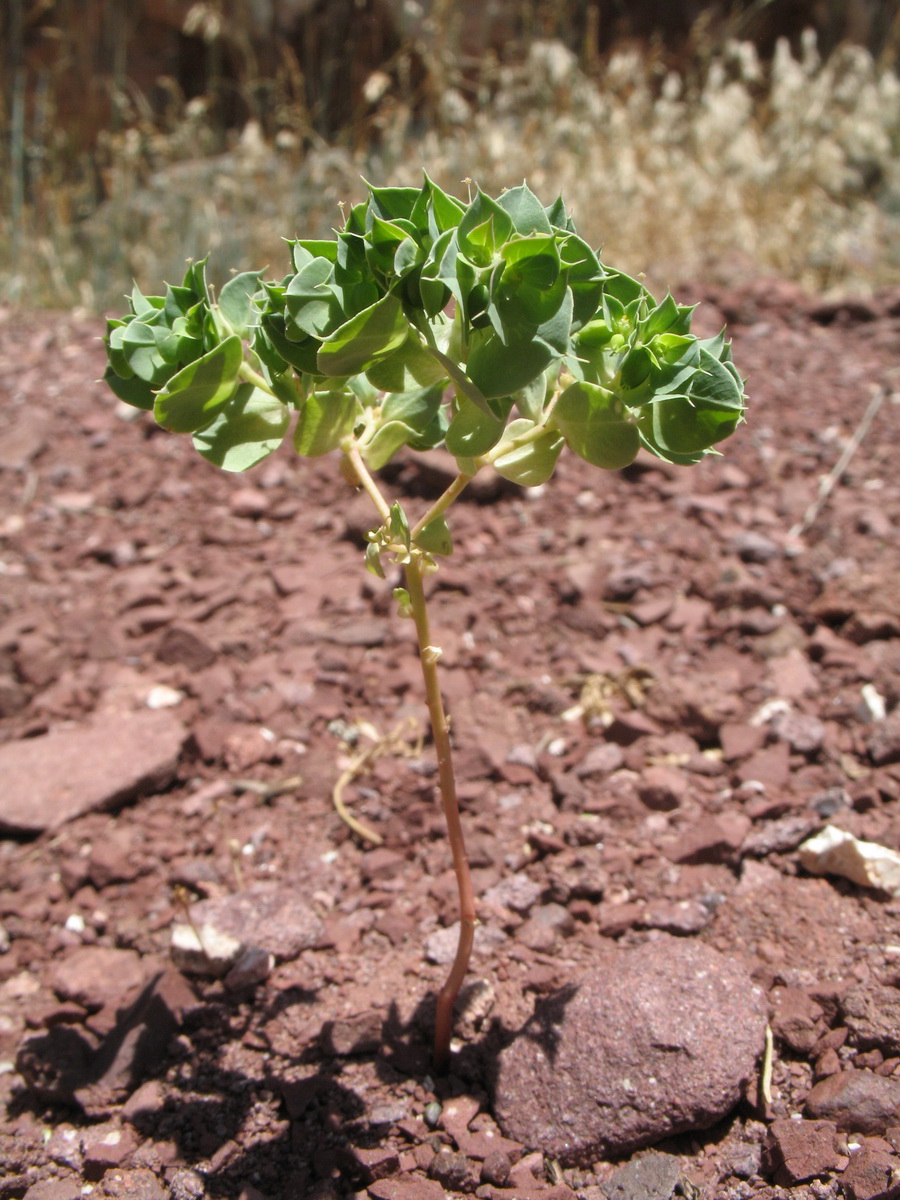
[663,682]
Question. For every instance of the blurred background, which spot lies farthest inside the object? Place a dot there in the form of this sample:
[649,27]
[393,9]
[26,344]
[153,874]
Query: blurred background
[690,139]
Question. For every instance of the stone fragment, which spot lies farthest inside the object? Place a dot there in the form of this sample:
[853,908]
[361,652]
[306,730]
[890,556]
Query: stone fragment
[803,732]
[636,1052]
[440,946]
[137,1183]
[95,976]
[796,1019]
[254,965]
[662,788]
[454,1171]
[408,1187]
[55,1189]
[711,839]
[872,1014]
[754,547]
[770,766]
[676,916]
[872,1175]
[495,1168]
[791,676]
[883,743]
[739,740]
[359,1034]
[856,1101]
[800,1150]
[518,892]
[834,851]
[183,646]
[273,919]
[600,760]
[650,1176]
[778,837]
[107,1148]
[49,780]
[249,502]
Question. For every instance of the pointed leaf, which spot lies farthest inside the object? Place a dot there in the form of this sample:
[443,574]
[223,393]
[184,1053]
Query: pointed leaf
[596,426]
[192,398]
[435,538]
[409,367]
[236,302]
[326,418]
[527,212]
[364,339]
[248,429]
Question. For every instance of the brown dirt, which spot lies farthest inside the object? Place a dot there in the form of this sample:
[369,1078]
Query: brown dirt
[672,603]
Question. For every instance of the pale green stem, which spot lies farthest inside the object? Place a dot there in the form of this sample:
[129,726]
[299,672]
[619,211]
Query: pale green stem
[366,482]
[428,656]
[442,503]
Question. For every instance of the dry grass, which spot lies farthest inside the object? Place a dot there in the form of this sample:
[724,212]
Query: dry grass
[739,168]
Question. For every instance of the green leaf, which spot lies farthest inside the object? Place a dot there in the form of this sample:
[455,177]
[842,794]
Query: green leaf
[558,216]
[236,302]
[312,307]
[133,391]
[299,353]
[527,212]
[385,443]
[140,348]
[191,399]
[373,560]
[249,428]
[435,538]
[532,464]
[195,278]
[398,526]
[533,261]
[417,409]
[388,203]
[498,370]
[483,229]
[596,426]
[472,432]
[407,368]
[364,339]
[326,418]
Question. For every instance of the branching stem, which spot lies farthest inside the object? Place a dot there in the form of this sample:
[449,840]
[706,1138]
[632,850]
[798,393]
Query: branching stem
[366,482]
[443,1027]
[442,503]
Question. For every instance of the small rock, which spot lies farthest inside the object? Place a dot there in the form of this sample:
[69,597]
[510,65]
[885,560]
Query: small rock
[834,851]
[94,976]
[517,892]
[254,965]
[754,547]
[797,1019]
[360,1034]
[662,788]
[632,1054]
[711,839]
[872,1014]
[111,1148]
[495,1168]
[800,1150]
[55,1189]
[406,1188]
[49,780]
[453,1170]
[185,647]
[273,919]
[883,744]
[440,946]
[739,740]
[872,1175]
[856,1101]
[802,731]
[647,1177]
[249,502]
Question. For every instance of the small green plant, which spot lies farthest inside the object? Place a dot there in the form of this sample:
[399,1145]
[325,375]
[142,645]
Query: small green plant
[489,328]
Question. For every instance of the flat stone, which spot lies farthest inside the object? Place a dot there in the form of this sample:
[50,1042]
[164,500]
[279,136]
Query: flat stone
[657,1041]
[94,976]
[872,1175]
[872,1014]
[800,1150]
[274,919]
[646,1177]
[52,779]
[857,1101]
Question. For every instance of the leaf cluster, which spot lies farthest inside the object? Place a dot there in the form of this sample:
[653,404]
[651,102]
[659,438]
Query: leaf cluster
[488,327]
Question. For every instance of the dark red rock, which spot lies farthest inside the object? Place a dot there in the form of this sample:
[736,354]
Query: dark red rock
[872,1175]
[857,1101]
[51,779]
[711,839]
[801,1150]
[796,1018]
[588,1076]
[872,1014]
[179,645]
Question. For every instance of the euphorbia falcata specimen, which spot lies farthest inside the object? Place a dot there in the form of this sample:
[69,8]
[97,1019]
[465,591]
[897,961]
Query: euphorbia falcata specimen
[489,328]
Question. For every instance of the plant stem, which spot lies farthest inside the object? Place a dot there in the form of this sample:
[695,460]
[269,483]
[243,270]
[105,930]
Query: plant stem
[366,482]
[442,503]
[428,656]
